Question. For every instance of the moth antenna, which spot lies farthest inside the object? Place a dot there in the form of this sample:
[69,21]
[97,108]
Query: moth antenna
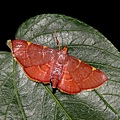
[57,41]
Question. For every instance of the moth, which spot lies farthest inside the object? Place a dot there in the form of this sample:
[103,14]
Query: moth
[66,73]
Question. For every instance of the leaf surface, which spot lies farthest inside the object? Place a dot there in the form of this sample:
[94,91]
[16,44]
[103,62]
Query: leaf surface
[21,98]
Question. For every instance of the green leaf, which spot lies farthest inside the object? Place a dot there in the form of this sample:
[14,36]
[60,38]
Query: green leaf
[22,99]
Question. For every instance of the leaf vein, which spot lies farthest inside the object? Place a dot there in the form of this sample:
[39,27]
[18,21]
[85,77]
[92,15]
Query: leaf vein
[106,103]
[16,92]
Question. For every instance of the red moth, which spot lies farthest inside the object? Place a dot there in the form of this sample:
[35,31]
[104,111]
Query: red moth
[65,72]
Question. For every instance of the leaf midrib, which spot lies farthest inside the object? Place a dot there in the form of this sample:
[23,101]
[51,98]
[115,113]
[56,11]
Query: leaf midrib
[59,104]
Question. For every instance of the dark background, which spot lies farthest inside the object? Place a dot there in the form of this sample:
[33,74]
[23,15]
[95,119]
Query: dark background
[101,15]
